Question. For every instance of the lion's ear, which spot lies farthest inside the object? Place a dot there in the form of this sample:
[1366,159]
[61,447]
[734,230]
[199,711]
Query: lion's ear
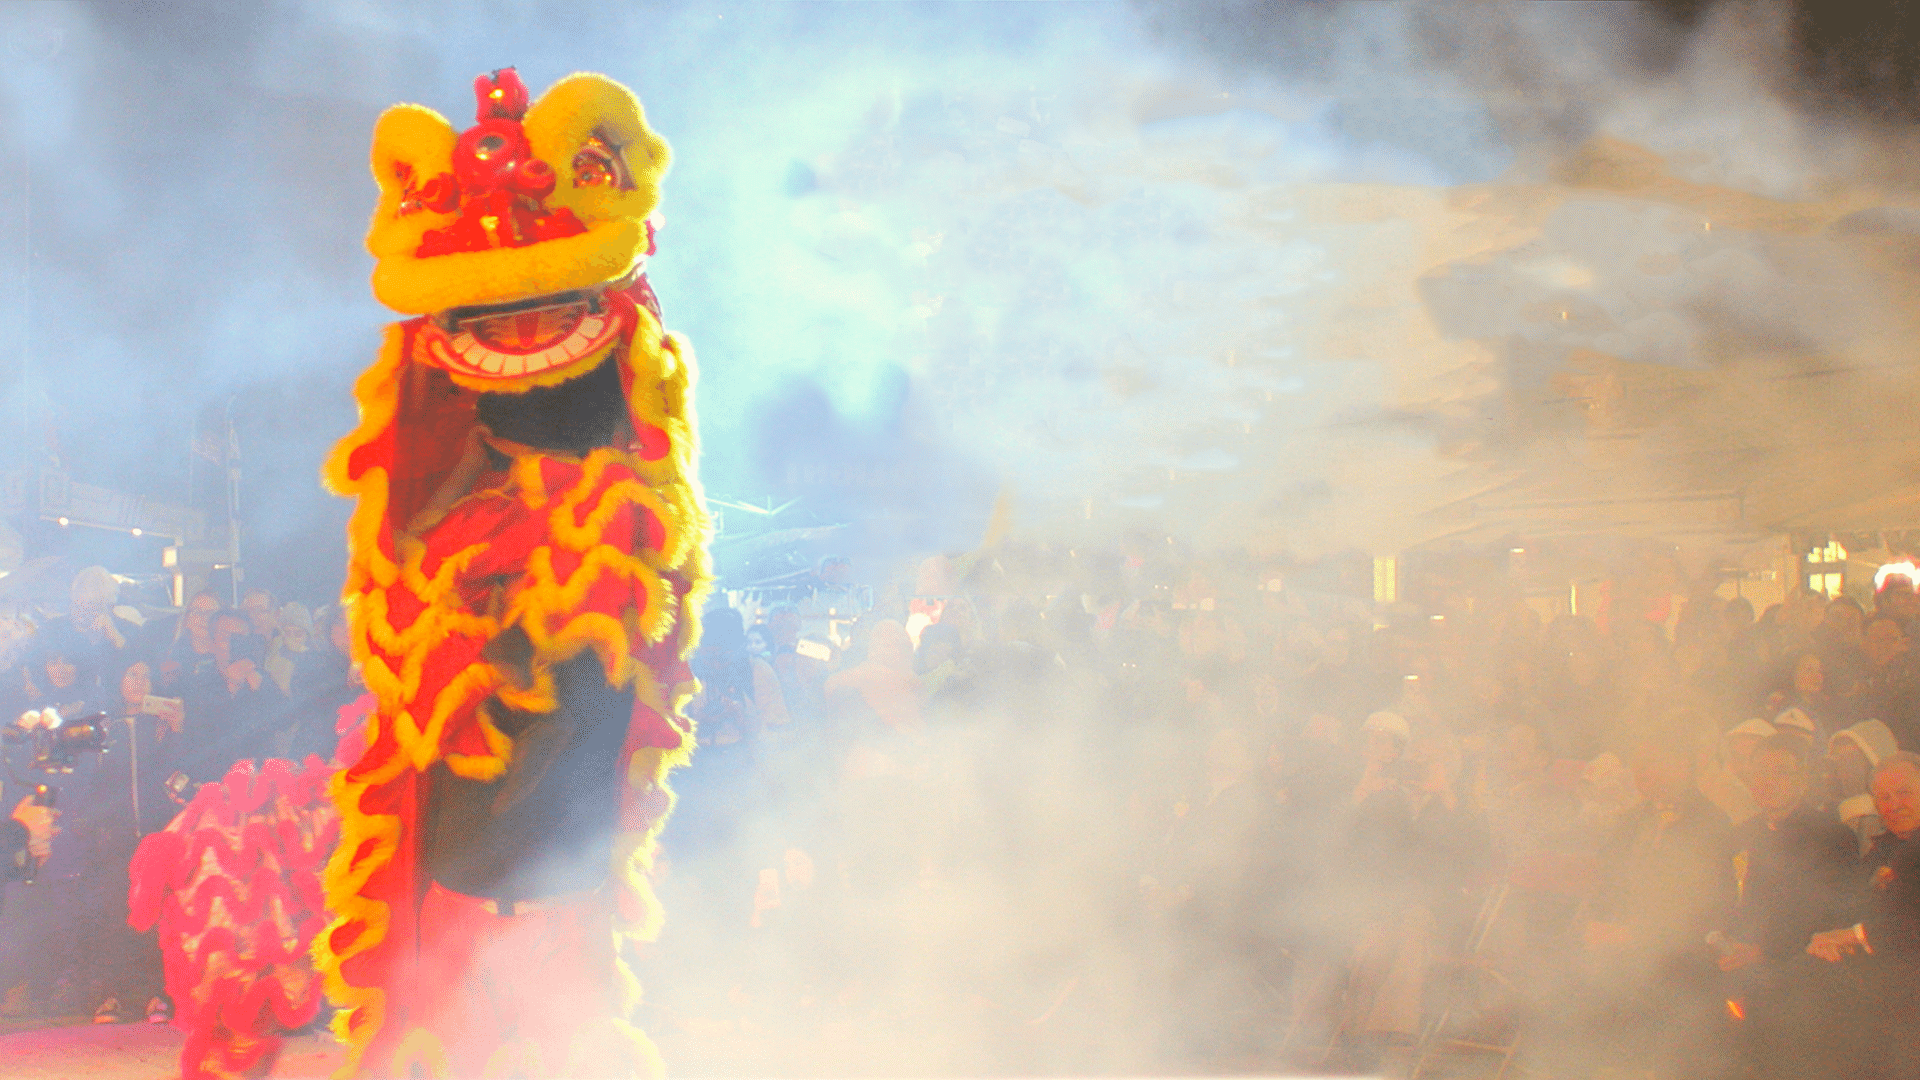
[607,161]
[412,147]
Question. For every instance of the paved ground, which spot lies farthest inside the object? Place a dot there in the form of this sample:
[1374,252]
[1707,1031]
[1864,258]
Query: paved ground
[134,1052]
[151,1051]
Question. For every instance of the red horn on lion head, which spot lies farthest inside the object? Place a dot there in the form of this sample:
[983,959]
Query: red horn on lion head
[497,183]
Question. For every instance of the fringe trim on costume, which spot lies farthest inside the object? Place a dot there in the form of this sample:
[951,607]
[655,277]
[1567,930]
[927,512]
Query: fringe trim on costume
[660,374]
[367,843]
[232,887]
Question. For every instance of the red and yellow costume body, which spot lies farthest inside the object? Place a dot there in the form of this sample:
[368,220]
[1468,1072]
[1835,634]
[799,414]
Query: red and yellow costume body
[519,246]
[232,885]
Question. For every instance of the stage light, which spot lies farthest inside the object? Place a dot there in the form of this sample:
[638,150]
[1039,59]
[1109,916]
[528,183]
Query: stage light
[1904,568]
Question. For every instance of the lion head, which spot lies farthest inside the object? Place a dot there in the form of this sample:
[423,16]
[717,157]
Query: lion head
[514,233]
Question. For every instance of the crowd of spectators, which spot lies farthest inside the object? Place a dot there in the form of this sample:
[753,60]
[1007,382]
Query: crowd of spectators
[1131,811]
[181,696]
[1068,810]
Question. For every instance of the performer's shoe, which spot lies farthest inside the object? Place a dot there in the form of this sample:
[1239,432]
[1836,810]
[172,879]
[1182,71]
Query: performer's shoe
[158,1011]
[108,1012]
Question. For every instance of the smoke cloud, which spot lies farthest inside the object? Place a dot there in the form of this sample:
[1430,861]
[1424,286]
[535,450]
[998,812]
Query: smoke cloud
[1306,277]
[1273,271]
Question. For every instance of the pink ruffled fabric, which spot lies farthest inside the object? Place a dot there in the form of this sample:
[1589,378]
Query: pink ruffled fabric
[233,884]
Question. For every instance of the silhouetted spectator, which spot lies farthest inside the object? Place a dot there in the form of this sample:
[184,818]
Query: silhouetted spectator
[1793,866]
[1892,688]
[1871,1031]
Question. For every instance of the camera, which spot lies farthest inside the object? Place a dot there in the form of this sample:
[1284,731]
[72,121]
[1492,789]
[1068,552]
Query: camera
[179,788]
[57,742]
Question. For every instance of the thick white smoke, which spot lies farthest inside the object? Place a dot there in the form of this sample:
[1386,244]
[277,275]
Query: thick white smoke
[1304,277]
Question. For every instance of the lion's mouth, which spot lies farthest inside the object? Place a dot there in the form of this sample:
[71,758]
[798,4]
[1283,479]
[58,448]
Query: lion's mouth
[528,338]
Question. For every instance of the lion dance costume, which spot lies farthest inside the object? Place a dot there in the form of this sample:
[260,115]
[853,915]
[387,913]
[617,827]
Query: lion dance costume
[527,560]
[233,887]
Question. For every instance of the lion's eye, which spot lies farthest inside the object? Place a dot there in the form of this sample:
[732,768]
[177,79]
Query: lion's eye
[599,164]
[410,193]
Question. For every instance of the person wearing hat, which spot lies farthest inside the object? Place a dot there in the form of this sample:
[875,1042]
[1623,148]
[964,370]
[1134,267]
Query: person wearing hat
[1724,778]
[1740,742]
[1812,694]
[1852,756]
[1791,862]
[1799,724]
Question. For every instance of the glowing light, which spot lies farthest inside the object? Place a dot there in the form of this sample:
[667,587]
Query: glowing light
[1905,569]
[63,522]
[1386,579]
[137,532]
[1516,551]
[1830,552]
